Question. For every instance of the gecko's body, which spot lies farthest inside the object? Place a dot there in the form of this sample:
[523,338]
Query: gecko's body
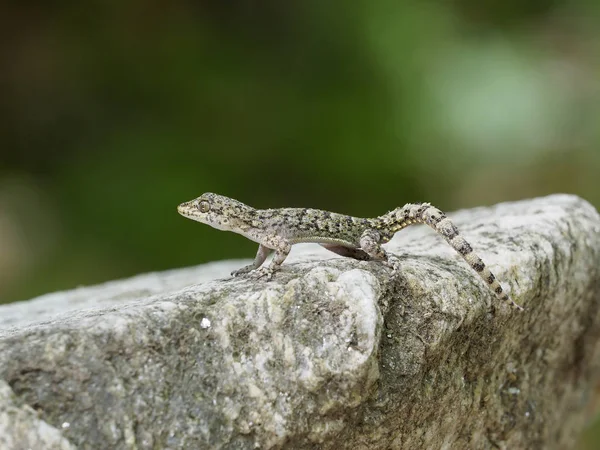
[278,229]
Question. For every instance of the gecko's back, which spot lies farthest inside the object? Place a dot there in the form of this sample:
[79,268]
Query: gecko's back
[314,225]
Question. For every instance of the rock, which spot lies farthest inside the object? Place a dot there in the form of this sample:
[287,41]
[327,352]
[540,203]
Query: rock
[331,354]
[21,428]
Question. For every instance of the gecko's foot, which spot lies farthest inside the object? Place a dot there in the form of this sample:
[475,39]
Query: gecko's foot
[242,271]
[394,264]
[262,272]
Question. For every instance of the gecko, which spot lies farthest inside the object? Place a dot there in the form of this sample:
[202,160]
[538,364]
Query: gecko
[354,237]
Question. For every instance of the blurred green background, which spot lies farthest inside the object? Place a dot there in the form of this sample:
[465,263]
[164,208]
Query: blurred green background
[112,113]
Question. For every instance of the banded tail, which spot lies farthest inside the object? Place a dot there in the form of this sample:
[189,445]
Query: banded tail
[436,219]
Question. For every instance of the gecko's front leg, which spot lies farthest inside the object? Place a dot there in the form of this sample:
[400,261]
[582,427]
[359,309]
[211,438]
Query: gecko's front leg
[272,242]
[370,243]
[261,256]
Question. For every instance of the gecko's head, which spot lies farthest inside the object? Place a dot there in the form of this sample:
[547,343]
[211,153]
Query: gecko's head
[218,211]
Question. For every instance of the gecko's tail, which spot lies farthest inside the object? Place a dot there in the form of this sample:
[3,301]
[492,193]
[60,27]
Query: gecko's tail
[436,219]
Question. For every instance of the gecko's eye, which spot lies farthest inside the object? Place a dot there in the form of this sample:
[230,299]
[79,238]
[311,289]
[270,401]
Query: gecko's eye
[203,206]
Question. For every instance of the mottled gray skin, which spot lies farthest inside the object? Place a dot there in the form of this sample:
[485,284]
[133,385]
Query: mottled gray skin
[278,229]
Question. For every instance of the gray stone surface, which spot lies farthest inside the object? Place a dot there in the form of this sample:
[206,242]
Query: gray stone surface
[21,428]
[332,354]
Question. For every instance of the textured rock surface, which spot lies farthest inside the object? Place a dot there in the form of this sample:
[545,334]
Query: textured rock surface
[331,354]
[21,428]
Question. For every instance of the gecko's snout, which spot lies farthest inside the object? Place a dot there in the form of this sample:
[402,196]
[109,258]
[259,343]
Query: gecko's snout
[184,209]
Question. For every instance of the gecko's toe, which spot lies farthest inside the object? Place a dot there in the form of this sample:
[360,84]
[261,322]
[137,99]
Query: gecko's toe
[394,264]
[265,273]
[242,271]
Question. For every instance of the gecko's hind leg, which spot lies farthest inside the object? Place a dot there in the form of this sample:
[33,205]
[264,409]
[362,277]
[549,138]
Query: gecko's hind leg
[348,252]
[370,243]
